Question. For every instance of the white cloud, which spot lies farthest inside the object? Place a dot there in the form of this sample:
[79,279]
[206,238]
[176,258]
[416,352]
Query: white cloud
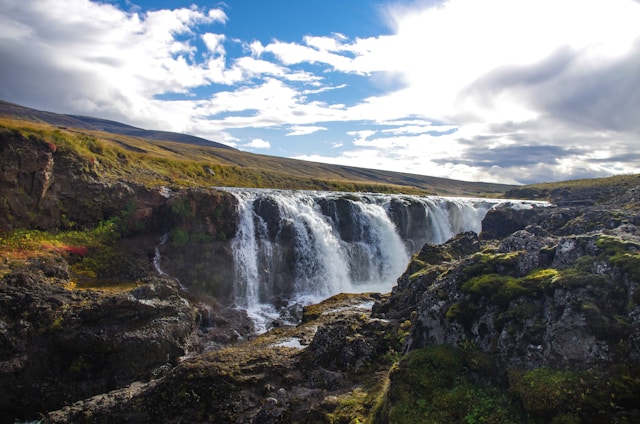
[554,80]
[218,15]
[258,143]
[214,42]
[304,130]
[420,129]
[84,57]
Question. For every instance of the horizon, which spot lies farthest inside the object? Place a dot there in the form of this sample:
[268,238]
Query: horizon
[493,92]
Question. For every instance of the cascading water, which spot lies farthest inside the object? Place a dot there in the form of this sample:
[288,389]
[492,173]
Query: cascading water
[299,247]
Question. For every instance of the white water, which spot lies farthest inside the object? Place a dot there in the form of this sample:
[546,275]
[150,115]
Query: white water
[300,247]
[157,257]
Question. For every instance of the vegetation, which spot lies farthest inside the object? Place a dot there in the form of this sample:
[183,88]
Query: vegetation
[624,255]
[591,190]
[434,385]
[563,396]
[444,384]
[629,180]
[94,256]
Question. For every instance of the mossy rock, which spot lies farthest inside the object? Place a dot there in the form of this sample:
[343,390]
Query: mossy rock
[444,384]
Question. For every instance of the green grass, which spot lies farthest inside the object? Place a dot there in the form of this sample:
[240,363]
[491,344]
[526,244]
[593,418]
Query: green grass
[564,396]
[443,384]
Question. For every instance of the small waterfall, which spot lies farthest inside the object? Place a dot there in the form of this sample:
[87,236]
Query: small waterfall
[299,247]
[157,257]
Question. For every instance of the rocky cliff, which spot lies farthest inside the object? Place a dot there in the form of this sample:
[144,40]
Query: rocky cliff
[53,189]
[542,307]
[82,308]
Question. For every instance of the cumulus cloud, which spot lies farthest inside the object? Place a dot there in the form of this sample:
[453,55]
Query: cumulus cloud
[92,58]
[258,143]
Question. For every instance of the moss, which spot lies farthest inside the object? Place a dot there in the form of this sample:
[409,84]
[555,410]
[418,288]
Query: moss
[356,405]
[434,385]
[606,394]
[501,289]
[56,324]
[108,263]
[491,263]
[604,326]
[576,277]
[545,392]
[179,238]
[625,255]
[517,314]
[79,365]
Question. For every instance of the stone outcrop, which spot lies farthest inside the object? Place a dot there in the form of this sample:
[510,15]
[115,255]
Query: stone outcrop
[536,301]
[540,304]
[292,374]
[59,344]
[46,188]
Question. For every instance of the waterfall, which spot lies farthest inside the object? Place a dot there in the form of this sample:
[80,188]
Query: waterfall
[299,247]
[157,257]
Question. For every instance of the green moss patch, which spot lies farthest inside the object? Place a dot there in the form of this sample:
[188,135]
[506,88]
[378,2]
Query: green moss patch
[434,385]
[625,255]
[609,394]
[499,290]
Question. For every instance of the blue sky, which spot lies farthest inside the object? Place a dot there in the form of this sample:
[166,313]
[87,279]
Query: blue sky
[499,90]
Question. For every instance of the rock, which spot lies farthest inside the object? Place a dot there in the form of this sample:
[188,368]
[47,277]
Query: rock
[59,345]
[503,220]
[259,380]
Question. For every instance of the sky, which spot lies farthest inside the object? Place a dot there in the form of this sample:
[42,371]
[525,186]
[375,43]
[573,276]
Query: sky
[506,91]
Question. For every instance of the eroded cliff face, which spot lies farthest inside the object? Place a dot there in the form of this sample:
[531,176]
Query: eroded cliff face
[46,188]
[534,301]
[78,320]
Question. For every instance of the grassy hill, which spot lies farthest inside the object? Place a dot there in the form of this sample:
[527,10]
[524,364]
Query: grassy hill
[119,151]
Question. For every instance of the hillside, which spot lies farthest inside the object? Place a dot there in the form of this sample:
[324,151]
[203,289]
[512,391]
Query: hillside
[15,111]
[164,158]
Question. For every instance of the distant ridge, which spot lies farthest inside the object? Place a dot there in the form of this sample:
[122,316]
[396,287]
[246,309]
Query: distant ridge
[96,124]
[245,169]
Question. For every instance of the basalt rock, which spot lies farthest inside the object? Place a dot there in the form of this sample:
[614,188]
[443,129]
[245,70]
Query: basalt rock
[60,344]
[502,221]
[426,264]
[291,374]
[532,302]
[539,301]
[47,188]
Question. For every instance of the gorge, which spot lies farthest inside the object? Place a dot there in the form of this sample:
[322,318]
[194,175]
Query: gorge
[126,297]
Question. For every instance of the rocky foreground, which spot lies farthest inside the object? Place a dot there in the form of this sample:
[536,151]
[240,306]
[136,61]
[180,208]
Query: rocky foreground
[537,319]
